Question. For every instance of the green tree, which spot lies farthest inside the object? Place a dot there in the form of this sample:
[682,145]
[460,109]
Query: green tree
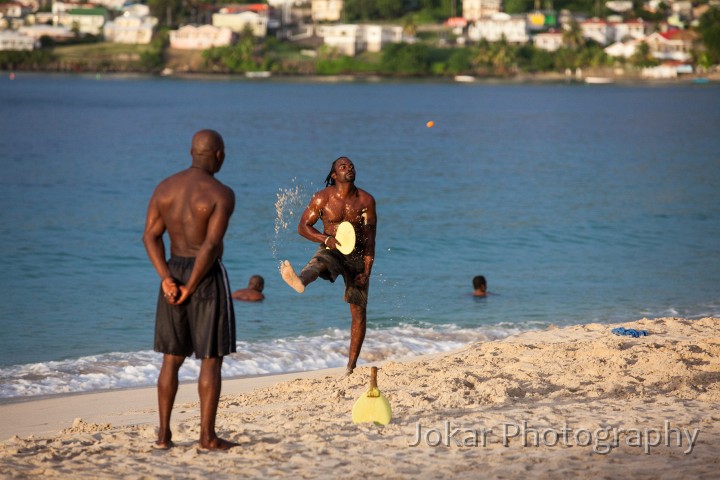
[572,37]
[363,10]
[247,55]
[32,59]
[541,61]
[593,56]
[168,12]
[389,9]
[496,58]
[517,6]
[584,6]
[406,59]
[564,58]
[504,57]
[460,61]
[153,59]
[642,56]
[409,26]
[709,29]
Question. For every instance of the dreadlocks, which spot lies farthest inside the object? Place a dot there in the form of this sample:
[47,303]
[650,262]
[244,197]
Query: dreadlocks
[329,180]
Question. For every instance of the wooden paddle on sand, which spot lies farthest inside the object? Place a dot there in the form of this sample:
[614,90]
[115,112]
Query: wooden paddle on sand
[372,406]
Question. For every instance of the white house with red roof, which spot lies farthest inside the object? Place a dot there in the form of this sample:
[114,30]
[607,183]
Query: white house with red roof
[672,45]
[457,24]
[237,19]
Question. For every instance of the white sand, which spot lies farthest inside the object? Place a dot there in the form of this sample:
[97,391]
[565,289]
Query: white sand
[592,405]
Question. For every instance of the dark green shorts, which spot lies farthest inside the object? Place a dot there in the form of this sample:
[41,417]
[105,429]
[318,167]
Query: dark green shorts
[337,264]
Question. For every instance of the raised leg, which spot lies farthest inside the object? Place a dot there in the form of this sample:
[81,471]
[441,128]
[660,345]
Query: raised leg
[306,277]
[290,277]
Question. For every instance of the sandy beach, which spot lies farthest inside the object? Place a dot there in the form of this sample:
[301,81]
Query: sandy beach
[576,402]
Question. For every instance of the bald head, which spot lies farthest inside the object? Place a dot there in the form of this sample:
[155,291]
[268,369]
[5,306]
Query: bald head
[208,150]
[256,283]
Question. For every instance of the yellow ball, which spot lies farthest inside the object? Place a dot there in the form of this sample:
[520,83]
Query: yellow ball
[430,124]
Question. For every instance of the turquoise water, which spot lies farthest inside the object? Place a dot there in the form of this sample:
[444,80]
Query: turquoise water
[578,203]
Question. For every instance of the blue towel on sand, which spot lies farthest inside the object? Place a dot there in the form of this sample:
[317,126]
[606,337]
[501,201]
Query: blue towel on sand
[630,332]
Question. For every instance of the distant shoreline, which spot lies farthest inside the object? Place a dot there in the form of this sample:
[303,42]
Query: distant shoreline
[520,79]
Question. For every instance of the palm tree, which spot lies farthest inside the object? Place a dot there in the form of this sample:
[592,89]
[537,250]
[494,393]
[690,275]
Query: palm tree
[572,36]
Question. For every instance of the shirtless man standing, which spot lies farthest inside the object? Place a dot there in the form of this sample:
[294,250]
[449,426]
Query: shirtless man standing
[340,201]
[194,310]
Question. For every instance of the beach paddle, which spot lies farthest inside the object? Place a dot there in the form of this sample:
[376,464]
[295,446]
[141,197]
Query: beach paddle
[372,406]
[345,235]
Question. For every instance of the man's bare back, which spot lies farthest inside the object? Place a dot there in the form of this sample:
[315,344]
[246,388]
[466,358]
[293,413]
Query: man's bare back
[186,201]
[194,209]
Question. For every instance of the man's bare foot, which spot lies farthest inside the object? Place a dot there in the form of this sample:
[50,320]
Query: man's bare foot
[349,371]
[290,277]
[218,444]
[164,443]
[158,445]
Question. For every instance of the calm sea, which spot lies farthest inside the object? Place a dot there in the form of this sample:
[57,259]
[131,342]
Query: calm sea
[578,203]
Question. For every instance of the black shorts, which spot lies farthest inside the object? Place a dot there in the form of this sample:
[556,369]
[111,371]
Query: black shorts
[205,323]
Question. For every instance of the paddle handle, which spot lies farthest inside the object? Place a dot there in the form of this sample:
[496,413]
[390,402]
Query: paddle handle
[373,377]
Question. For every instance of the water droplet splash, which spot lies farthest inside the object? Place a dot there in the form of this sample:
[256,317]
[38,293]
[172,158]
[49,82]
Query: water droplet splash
[289,206]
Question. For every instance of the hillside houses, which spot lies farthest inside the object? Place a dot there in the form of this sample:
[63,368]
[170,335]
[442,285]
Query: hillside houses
[315,23]
[109,20]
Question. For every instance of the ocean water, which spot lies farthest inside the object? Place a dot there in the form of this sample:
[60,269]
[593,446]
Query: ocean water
[578,203]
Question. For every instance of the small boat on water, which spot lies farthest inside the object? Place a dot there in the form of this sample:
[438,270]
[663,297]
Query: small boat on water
[598,80]
[262,74]
[464,78]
